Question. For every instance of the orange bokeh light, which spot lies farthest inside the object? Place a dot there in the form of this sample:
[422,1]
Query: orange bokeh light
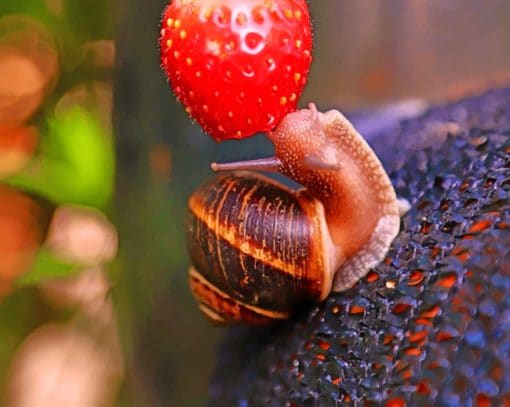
[21,233]
[28,67]
[17,145]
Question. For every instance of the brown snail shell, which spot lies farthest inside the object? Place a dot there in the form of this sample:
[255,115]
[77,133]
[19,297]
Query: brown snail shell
[256,248]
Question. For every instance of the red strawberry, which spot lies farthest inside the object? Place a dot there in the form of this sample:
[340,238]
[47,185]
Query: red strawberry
[238,66]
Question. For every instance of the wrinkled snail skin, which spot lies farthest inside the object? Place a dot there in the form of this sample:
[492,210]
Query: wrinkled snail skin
[259,248]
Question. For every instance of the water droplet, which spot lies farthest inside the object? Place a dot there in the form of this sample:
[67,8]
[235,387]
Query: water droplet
[248,71]
[213,47]
[254,42]
[228,74]
[222,16]
[230,45]
[391,284]
[284,39]
[271,64]
[293,97]
[270,119]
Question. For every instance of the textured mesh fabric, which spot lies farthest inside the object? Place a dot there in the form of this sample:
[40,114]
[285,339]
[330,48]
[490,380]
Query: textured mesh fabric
[431,324]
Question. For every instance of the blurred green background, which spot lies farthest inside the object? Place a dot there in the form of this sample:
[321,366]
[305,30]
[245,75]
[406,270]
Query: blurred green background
[139,169]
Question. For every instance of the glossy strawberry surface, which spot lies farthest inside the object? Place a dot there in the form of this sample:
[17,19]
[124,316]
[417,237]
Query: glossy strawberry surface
[238,66]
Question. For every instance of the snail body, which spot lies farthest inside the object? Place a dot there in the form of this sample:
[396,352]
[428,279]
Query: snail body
[258,248]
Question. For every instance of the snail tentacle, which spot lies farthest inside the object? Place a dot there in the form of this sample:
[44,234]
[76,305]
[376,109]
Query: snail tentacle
[269,164]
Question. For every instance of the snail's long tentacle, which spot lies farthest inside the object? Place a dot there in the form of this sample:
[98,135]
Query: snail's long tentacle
[269,164]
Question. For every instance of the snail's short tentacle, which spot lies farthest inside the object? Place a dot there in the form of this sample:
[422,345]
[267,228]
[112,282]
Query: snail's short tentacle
[314,162]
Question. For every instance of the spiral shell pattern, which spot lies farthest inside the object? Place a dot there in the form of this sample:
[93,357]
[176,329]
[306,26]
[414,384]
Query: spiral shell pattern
[255,248]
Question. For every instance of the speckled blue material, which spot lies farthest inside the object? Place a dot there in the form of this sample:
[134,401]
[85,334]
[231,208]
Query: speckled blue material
[431,324]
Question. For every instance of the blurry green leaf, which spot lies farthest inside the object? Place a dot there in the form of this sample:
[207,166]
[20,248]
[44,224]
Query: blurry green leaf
[46,266]
[33,8]
[75,164]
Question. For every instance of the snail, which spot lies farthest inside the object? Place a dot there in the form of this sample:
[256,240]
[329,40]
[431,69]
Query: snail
[259,248]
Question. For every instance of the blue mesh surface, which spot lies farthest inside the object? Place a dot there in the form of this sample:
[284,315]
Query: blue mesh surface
[431,324]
